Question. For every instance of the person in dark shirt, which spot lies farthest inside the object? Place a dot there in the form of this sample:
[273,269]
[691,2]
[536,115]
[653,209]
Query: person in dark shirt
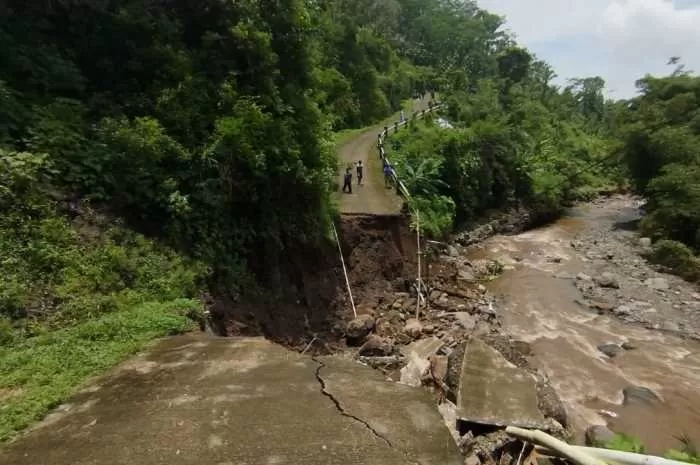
[360,172]
[347,181]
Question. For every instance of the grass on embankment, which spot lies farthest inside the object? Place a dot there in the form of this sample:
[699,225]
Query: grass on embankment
[39,373]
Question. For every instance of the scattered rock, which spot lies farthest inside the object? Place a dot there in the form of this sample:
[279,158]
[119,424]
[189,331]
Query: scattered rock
[435,295]
[466,275]
[639,395]
[598,435]
[472,460]
[522,347]
[583,277]
[397,304]
[360,327]
[429,329]
[487,310]
[481,288]
[467,321]
[376,346]
[628,346]
[603,307]
[644,242]
[413,328]
[611,350]
[669,326]
[658,284]
[608,280]
[696,295]
[452,251]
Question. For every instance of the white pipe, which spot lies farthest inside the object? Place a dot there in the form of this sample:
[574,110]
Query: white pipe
[624,458]
[345,271]
[550,442]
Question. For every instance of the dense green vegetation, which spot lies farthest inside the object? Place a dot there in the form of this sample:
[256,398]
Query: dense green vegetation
[151,151]
[659,134]
[514,140]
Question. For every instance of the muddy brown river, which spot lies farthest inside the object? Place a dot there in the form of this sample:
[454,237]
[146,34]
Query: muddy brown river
[541,305]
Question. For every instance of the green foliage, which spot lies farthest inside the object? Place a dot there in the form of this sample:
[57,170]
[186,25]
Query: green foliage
[674,256]
[661,147]
[38,373]
[625,443]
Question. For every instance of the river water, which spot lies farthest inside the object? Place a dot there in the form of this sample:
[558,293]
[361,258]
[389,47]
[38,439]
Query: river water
[540,304]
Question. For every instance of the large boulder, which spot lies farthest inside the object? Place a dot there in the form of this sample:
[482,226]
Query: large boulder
[608,280]
[598,435]
[359,328]
[611,350]
[465,320]
[639,395]
[413,328]
[376,346]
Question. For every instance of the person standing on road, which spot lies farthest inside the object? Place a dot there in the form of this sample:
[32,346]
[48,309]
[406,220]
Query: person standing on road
[360,172]
[347,182]
[387,174]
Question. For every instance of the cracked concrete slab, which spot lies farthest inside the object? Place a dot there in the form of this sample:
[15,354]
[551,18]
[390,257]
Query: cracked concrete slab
[198,400]
[424,348]
[494,391]
[404,416]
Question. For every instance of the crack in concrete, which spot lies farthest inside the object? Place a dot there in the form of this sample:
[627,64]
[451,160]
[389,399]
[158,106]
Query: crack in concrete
[340,408]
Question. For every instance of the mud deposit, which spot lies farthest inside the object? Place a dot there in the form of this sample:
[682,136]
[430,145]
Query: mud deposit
[599,320]
[378,252]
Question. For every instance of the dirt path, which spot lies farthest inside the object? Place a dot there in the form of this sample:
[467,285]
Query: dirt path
[601,323]
[372,197]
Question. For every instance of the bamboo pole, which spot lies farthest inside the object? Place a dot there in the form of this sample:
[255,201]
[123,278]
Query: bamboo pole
[345,271]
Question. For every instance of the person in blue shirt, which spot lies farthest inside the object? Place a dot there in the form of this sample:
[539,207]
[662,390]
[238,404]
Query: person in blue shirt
[387,174]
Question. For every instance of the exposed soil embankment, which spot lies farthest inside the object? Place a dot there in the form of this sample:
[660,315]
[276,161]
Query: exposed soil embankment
[379,251]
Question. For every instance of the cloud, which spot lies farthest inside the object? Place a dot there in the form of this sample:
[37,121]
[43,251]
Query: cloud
[620,40]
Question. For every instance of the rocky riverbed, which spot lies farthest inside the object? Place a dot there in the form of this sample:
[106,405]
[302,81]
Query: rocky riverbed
[616,337]
[607,342]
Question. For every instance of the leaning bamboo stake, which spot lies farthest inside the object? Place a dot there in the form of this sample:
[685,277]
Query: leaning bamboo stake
[618,457]
[345,271]
[543,439]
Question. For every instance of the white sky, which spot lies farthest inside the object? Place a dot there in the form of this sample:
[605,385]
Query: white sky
[619,40]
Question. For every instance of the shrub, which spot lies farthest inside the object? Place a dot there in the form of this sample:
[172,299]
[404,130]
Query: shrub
[677,258]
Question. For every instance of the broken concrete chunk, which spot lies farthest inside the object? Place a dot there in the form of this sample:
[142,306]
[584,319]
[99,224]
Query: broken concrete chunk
[472,460]
[494,391]
[359,328]
[412,373]
[465,320]
[424,348]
